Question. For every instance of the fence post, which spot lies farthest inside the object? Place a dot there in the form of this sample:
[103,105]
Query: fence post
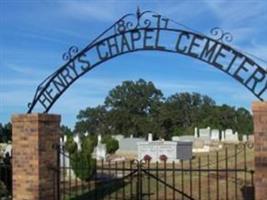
[139,181]
[260,133]
[33,156]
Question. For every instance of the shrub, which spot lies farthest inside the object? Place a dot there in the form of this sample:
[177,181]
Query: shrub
[82,164]
[70,145]
[111,144]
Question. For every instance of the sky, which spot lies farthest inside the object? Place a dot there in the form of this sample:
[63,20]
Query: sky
[35,33]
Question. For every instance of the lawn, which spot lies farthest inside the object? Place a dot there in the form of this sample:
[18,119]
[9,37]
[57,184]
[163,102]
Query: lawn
[204,177]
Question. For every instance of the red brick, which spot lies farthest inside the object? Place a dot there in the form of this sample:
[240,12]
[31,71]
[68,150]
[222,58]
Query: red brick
[33,137]
[260,133]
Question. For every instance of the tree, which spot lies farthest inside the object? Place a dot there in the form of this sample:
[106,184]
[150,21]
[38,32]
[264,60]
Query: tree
[5,132]
[65,130]
[244,121]
[138,107]
[91,120]
[132,107]
[1,133]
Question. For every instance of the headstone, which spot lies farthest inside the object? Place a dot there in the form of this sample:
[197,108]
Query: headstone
[230,136]
[129,146]
[118,137]
[101,149]
[244,138]
[99,139]
[251,138]
[196,132]
[175,138]
[65,138]
[77,140]
[157,148]
[184,150]
[64,160]
[236,136]
[61,141]
[101,152]
[150,137]
[222,136]
[86,134]
[204,133]
[215,134]
[187,138]
[8,150]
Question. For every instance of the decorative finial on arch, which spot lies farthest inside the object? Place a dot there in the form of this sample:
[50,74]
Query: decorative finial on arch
[138,12]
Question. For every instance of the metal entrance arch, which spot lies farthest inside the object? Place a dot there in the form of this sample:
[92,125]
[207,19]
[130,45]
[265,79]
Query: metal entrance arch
[147,31]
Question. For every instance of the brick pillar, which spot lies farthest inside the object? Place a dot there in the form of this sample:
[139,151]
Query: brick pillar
[260,133]
[33,156]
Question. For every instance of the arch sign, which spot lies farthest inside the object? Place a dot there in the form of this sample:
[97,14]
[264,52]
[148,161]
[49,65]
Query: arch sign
[149,31]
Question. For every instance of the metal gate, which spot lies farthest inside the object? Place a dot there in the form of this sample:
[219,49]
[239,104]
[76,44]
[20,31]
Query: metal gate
[222,174]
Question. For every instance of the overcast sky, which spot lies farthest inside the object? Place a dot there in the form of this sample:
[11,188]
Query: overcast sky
[35,34]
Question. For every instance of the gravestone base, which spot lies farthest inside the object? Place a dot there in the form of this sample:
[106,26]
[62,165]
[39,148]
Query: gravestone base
[33,156]
[260,134]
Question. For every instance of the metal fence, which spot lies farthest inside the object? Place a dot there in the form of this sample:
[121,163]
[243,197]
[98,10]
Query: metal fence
[5,179]
[220,175]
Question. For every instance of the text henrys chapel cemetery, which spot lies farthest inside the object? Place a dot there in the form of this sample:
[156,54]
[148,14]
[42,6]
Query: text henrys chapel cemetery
[160,38]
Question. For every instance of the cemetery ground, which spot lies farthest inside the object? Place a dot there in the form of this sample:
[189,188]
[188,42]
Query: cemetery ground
[206,176]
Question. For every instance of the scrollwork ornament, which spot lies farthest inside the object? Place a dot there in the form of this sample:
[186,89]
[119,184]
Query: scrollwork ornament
[250,145]
[220,35]
[73,50]
[240,146]
[133,21]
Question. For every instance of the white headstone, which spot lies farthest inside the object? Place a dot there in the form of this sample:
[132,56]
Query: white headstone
[244,138]
[61,141]
[157,148]
[222,136]
[251,138]
[204,133]
[228,133]
[86,134]
[76,139]
[150,137]
[101,151]
[196,132]
[230,136]
[99,139]
[65,138]
[118,137]
[215,134]
[236,136]
[175,138]
[8,150]
[65,160]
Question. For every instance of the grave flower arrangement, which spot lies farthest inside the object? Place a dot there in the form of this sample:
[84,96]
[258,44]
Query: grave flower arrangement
[163,158]
[147,158]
